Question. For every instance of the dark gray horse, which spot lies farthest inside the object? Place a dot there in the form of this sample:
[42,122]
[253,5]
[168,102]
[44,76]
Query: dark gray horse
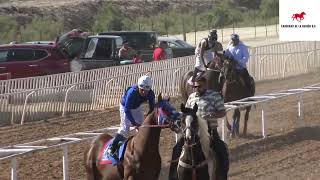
[193,164]
[223,77]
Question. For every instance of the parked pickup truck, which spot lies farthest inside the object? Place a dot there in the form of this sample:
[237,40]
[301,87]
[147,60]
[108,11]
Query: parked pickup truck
[100,51]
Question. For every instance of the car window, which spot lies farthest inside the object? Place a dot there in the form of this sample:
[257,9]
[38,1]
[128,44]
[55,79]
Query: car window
[21,55]
[139,40]
[104,48]
[119,42]
[3,55]
[172,45]
[183,43]
[39,54]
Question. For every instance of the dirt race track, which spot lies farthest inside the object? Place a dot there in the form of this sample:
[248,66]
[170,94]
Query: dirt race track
[289,151]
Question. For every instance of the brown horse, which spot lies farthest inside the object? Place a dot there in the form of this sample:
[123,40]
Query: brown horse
[234,88]
[141,160]
[212,74]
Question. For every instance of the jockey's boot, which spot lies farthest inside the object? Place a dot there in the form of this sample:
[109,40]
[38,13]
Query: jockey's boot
[115,145]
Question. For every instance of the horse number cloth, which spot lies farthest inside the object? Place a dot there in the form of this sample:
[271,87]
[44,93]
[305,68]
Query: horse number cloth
[106,158]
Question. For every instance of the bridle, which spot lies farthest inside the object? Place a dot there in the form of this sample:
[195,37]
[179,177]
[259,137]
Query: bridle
[194,143]
[166,117]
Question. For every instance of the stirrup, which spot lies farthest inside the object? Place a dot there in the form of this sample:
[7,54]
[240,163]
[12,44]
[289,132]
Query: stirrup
[111,150]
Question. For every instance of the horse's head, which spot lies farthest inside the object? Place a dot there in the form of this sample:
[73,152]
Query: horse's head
[229,66]
[191,122]
[303,13]
[166,113]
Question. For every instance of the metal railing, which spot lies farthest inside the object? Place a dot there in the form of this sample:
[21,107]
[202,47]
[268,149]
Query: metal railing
[63,142]
[31,99]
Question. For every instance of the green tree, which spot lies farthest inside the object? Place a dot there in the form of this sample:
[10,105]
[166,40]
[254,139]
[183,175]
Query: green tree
[42,29]
[269,8]
[8,29]
[109,18]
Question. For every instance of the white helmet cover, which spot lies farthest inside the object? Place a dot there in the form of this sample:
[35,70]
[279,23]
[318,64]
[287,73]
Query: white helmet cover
[145,82]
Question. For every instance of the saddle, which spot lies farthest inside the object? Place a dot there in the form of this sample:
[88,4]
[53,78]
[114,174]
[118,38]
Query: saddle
[106,158]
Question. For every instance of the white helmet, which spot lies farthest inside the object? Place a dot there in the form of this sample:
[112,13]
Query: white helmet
[145,82]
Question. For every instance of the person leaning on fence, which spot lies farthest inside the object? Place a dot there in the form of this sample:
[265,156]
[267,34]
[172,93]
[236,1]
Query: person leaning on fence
[131,113]
[159,53]
[238,51]
[205,52]
[210,107]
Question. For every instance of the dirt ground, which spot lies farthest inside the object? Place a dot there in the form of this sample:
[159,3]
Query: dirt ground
[290,151]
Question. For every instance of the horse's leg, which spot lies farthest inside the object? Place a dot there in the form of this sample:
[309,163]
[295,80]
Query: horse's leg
[246,118]
[235,126]
[89,163]
[234,122]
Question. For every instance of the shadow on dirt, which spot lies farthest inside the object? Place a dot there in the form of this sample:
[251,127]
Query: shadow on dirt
[273,143]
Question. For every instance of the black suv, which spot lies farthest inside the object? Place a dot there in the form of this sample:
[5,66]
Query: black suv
[143,41]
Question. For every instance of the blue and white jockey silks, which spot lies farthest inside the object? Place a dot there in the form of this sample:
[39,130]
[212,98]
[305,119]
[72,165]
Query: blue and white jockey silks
[239,53]
[131,110]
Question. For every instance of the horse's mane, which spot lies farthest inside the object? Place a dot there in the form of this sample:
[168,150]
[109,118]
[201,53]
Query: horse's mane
[149,119]
[204,136]
[205,145]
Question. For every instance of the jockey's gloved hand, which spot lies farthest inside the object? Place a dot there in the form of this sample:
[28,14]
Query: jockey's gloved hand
[135,124]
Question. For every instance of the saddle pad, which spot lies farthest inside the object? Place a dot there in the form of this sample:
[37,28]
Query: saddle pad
[106,158]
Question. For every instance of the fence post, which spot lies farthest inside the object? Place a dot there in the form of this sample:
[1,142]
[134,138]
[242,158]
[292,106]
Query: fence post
[65,163]
[285,65]
[222,34]
[308,63]
[94,99]
[195,29]
[300,110]
[174,81]
[65,101]
[266,30]
[254,23]
[315,52]
[25,106]
[260,66]
[263,119]
[233,24]
[14,169]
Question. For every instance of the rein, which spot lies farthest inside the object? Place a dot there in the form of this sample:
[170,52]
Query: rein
[157,125]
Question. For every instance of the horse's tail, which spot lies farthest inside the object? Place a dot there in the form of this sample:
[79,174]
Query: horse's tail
[90,164]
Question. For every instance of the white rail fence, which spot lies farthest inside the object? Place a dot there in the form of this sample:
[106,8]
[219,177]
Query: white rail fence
[63,142]
[42,97]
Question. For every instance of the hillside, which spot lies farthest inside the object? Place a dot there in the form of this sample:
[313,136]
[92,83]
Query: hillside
[80,13]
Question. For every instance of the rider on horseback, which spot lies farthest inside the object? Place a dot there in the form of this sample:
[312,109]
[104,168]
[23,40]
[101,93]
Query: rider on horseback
[131,111]
[205,53]
[238,52]
[210,107]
